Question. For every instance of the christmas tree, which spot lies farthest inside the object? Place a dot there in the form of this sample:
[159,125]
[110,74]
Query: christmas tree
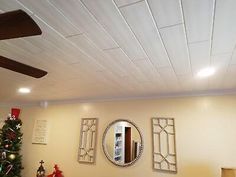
[10,145]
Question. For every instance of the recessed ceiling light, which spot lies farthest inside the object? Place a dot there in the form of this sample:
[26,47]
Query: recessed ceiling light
[206,72]
[24,90]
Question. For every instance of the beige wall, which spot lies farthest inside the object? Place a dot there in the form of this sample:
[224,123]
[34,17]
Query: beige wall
[205,127]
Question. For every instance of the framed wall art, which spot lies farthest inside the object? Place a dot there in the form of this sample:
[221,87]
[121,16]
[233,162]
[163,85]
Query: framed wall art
[40,132]
[164,144]
[88,140]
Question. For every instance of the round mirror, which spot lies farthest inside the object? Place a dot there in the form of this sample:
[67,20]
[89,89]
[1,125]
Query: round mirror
[122,142]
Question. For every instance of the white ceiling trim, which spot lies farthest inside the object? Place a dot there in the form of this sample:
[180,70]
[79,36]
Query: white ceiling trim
[149,97]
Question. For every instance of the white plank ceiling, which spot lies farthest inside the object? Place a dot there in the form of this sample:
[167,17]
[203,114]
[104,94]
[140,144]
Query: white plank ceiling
[104,49]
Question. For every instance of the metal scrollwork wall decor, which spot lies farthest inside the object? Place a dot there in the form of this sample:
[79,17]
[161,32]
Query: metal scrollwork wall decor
[88,140]
[164,145]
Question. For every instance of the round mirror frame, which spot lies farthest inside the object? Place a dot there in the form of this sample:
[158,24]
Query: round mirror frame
[104,145]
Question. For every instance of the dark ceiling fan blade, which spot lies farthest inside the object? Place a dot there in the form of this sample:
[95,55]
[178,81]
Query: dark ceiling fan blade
[17,24]
[21,68]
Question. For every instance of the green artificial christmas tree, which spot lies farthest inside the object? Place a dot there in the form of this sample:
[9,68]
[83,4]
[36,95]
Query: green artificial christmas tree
[10,145]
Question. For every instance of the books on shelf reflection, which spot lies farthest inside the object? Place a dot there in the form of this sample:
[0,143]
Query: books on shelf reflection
[228,172]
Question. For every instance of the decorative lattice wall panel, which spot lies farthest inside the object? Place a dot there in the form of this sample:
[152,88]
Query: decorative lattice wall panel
[164,146]
[88,140]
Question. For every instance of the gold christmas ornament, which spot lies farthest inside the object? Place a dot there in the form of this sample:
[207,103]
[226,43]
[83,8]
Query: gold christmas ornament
[12,156]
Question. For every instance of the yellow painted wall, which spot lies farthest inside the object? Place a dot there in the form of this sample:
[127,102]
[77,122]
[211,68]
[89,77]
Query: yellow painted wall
[205,127]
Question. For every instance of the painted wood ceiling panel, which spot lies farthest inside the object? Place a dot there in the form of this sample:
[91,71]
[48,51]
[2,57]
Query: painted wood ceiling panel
[41,42]
[84,21]
[25,45]
[166,12]
[169,77]
[109,16]
[97,54]
[41,59]
[64,47]
[229,81]
[186,82]
[122,48]
[199,55]
[198,16]
[175,42]
[113,80]
[10,5]
[148,69]
[200,84]
[233,58]
[16,53]
[121,3]
[132,85]
[220,63]
[224,38]
[44,10]
[193,84]
[141,23]
[52,53]
[7,76]
[118,56]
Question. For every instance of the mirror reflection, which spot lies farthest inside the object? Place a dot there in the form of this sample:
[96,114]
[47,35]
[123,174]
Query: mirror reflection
[122,142]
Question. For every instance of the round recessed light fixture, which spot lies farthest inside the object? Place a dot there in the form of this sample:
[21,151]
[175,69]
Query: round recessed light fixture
[206,72]
[24,90]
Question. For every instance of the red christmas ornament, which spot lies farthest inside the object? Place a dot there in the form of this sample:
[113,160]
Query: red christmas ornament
[15,112]
[11,135]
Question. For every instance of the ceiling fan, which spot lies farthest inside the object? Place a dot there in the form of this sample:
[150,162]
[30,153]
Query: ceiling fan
[16,24]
